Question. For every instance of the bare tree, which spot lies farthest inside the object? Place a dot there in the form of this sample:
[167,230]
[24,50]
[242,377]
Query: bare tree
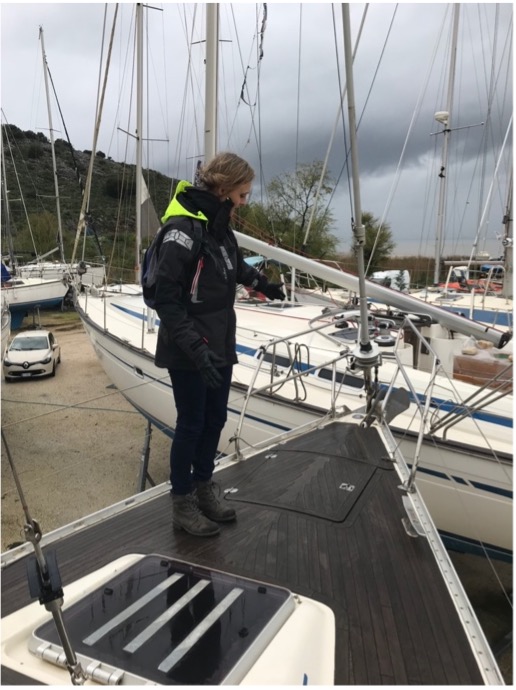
[290,208]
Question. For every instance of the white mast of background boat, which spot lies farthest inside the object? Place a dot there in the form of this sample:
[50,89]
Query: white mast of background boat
[142,193]
[139,140]
[445,118]
[6,208]
[81,226]
[211,86]
[490,194]
[54,164]
[507,245]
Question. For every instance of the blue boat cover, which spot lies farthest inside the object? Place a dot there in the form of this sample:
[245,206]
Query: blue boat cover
[5,273]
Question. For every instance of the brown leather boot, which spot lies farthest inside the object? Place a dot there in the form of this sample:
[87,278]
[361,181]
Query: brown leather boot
[186,515]
[210,504]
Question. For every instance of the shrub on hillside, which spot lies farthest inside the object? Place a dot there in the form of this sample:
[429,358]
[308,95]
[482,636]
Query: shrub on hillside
[35,151]
[13,132]
[119,188]
[39,136]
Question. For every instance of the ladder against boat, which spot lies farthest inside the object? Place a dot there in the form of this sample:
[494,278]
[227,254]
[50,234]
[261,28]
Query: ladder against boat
[155,620]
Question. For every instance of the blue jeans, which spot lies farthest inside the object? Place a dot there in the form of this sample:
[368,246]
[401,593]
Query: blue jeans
[201,416]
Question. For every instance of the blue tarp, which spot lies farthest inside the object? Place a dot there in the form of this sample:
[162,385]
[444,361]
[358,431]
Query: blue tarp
[5,273]
[487,267]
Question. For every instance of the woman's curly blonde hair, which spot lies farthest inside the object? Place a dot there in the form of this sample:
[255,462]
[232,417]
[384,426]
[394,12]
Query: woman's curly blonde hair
[226,170]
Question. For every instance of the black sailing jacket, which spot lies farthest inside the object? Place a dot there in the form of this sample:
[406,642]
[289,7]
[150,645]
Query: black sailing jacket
[195,290]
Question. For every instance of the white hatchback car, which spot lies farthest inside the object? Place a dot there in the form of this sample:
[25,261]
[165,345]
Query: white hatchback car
[31,354]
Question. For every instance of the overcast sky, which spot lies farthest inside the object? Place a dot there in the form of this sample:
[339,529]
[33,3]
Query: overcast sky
[401,75]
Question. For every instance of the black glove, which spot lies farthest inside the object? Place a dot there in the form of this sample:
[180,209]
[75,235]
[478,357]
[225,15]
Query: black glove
[206,360]
[273,291]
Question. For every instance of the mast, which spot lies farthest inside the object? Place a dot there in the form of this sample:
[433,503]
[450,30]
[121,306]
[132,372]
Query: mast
[7,210]
[54,164]
[489,195]
[507,245]
[211,89]
[139,133]
[366,354]
[81,226]
[445,119]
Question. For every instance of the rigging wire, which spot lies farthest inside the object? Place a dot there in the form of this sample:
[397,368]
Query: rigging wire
[258,84]
[90,224]
[300,34]
[358,220]
[80,404]
[165,110]
[22,199]
[124,182]
[490,96]
[85,203]
[346,158]
[431,192]
[222,109]
[7,219]
[48,585]
[260,54]
[244,89]
[397,175]
[254,103]
[487,92]
[188,36]
[193,85]
[494,77]
[340,114]
[473,248]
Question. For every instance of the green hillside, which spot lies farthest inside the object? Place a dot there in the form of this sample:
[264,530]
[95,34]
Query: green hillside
[29,182]
[30,186]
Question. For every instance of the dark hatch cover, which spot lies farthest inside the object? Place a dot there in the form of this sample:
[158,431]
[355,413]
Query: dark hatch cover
[169,622]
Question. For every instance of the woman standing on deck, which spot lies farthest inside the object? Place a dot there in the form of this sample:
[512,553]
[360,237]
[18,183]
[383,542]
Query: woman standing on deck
[199,267]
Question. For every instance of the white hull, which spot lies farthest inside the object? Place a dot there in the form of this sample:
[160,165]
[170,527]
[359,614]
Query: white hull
[49,270]
[34,292]
[468,492]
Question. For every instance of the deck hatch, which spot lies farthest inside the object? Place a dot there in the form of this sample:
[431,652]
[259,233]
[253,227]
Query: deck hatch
[168,622]
[306,482]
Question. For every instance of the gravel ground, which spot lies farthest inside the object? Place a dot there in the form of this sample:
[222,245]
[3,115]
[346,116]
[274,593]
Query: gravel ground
[77,444]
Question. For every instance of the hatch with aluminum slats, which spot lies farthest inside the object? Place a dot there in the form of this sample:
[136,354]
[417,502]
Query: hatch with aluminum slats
[162,621]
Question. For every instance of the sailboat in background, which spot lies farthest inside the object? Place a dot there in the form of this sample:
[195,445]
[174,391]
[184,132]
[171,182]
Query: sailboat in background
[329,557]
[23,291]
[28,294]
[476,294]
[483,288]
[41,283]
[24,296]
